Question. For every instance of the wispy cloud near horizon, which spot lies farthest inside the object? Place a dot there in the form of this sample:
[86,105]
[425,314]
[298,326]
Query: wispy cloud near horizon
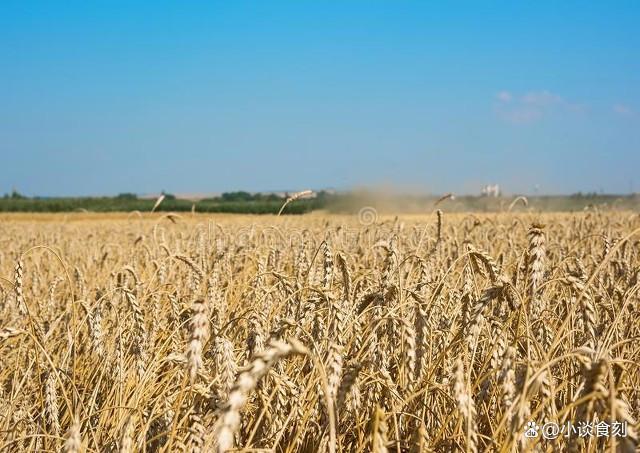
[624,110]
[504,96]
[532,106]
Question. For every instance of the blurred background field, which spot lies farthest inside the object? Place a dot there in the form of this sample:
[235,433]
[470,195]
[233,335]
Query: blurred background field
[347,202]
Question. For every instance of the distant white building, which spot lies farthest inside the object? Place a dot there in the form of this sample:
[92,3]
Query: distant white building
[491,190]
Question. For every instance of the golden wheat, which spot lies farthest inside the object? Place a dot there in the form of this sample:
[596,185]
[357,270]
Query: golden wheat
[316,333]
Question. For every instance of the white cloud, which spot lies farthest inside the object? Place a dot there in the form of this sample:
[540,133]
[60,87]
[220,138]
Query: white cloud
[624,110]
[541,98]
[531,106]
[504,96]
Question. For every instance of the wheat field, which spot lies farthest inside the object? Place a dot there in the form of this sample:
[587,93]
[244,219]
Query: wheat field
[437,332]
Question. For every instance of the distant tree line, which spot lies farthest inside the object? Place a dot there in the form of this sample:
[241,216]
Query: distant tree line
[15,195]
[232,202]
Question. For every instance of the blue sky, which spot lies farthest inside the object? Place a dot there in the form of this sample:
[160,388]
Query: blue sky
[109,97]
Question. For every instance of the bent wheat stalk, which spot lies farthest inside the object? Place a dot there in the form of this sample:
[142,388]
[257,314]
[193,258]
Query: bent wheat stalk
[295,196]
